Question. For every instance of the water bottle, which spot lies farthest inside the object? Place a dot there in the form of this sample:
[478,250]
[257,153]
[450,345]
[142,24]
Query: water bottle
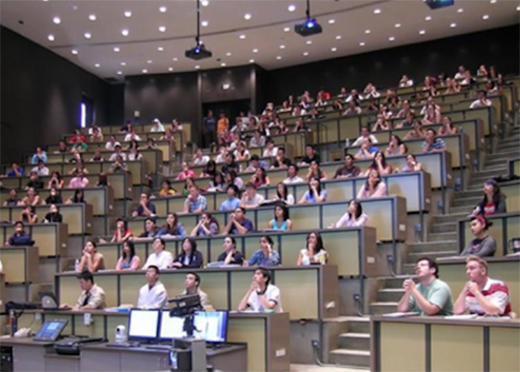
[76,265]
[347,143]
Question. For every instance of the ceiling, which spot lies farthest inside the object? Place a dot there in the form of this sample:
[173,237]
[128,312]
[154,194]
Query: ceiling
[349,27]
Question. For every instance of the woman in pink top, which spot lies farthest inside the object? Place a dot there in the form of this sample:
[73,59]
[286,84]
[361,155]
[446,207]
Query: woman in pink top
[78,182]
[373,188]
[186,172]
[354,216]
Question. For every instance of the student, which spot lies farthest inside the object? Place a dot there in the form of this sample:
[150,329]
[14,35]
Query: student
[412,165]
[258,140]
[281,161]
[157,126]
[112,143]
[91,260]
[20,237]
[365,134]
[28,215]
[34,182]
[433,143]
[199,158]
[354,216]
[129,261]
[54,197]
[150,230]
[238,224]
[217,183]
[230,256]
[232,202]
[417,132]
[40,155]
[292,175]
[195,202]
[314,253]
[367,151]
[379,163]
[447,127]
[152,295]
[265,256]
[310,156]
[482,295]
[188,183]
[242,153]
[396,147]
[348,170]
[270,150]
[31,198]
[122,233]
[256,163]
[189,257]
[483,245]
[41,170]
[185,173]
[315,194]
[166,189]
[79,181]
[16,170]
[92,296]
[160,257]
[78,197]
[172,228]
[316,171]
[210,169]
[53,215]
[230,164]
[374,187]
[251,199]
[146,208]
[260,178]
[282,194]
[431,296]
[492,202]
[281,220]
[481,101]
[207,226]
[233,179]
[56,181]
[13,200]
[192,286]
[262,296]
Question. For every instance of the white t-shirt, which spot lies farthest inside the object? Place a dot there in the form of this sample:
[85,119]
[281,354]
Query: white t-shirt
[360,139]
[113,157]
[346,221]
[154,298]
[201,161]
[129,137]
[111,146]
[320,257]
[257,200]
[272,293]
[268,154]
[291,181]
[162,260]
[478,103]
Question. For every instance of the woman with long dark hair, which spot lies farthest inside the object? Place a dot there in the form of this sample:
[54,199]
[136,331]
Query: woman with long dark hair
[314,253]
[266,256]
[315,194]
[128,261]
[282,194]
[374,187]
[207,226]
[172,228]
[493,201]
[379,163]
[396,146]
[281,220]
[189,257]
[354,216]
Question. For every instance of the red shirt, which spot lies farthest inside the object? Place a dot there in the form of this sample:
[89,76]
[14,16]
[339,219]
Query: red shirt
[496,292]
[489,208]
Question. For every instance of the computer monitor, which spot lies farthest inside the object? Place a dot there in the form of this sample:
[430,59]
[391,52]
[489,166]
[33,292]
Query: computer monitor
[51,330]
[171,327]
[143,324]
[211,326]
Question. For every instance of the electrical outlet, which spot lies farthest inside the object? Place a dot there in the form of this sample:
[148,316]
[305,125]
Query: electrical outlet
[357,297]
[315,343]
[390,258]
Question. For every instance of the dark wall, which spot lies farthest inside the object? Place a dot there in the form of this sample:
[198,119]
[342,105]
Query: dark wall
[499,47]
[41,95]
[238,78]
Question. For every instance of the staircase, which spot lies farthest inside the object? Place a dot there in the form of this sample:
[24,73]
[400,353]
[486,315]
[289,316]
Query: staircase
[354,344]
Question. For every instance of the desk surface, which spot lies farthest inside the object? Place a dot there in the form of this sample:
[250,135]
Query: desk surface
[479,322]
[230,348]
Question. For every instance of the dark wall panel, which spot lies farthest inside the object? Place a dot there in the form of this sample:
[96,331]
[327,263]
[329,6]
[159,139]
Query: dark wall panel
[238,78]
[499,47]
[41,95]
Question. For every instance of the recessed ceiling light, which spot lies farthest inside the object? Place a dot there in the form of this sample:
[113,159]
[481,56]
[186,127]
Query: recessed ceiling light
[204,23]
[334,49]
[204,2]
[123,63]
[128,14]
[56,20]
[391,38]
[422,32]
[120,72]
[92,17]
[175,59]
[251,61]
[97,65]
[286,29]
[460,10]
[291,8]
[255,50]
[428,18]
[125,32]
[197,67]
[397,25]
[305,54]
[485,17]
[145,71]
[279,57]
[163,9]
[518,8]
[367,32]
[332,21]
[74,51]
[362,44]
[493,1]
[87,35]
[116,49]
[149,61]
[453,25]
[247,16]
[242,37]
[162,28]
[282,46]
[309,42]
[377,11]
[160,49]
[228,54]
[45,1]
[51,37]
[223,64]
[338,37]
[170,68]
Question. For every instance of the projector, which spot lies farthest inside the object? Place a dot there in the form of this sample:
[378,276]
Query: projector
[436,4]
[308,28]
[197,53]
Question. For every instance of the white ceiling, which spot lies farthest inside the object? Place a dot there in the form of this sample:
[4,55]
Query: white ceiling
[264,31]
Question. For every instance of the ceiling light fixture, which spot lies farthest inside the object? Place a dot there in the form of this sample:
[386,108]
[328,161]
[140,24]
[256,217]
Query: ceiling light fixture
[149,61]
[74,51]
[310,27]
[97,65]
[428,18]
[485,17]
[160,49]
[493,1]
[87,35]
[255,50]
[291,8]
[197,67]
[279,57]
[51,38]
[453,25]
[286,29]
[305,54]
[247,16]
[117,50]
[377,11]
[242,37]
[199,51]
[362,44]
[367,32]
[334,49]
[170,69]
[163,9]
[145,71]
[128,14]
[123,63]
[518,8]
[460,10]
[282,46]
[204,23]
[332,21]
[223,64]
[228,54]
[397,25]
[175,59]
[391,38]
[120,72]
[422,32]
[251,61]
[92,17]
[56,20]
[338,37]
[162,28]
[308,42]
[205,2]
[125,32]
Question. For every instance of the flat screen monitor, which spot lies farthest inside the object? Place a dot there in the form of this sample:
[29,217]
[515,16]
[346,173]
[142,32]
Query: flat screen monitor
[211,326]
[171,327]
[143,324]
[51,330]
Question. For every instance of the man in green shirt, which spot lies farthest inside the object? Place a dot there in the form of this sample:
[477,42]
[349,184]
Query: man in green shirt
[431,296]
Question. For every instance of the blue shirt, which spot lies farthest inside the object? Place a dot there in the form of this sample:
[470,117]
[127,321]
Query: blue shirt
[258,258]
[211,124]
[150,206]
[200,203]
[179,231]
[282,227]
[230,204]
[438,144]
[11,173]
[312,199]
[42,157]
[248,225]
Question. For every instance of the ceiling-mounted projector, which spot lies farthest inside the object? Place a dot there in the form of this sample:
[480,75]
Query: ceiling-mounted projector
[308,28]
[198,53]
[436,4]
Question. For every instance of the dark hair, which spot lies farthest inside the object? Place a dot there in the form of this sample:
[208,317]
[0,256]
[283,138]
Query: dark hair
[296,168]
[19,223]
[265,273]
[211,168]
[242,209]
[215,181]
[483,92]
[233,240]
[319,241]
[284,209]
[285,191]
[319,186]
[480,218]
[432,130]
[264,174]
[157,271]
[250,185]
[167,181]
[125,222]
[197,277]
[431,264]
[347,155]
[182,255]
[320,172]
[86,276]
[269,140]
[383,162]
[379,178]
[132,250]
[152,219]
[268,238]
[171,230]
[211,219]
[234,187]
[359,208]
[163,243]
[186,182]
[255,157]
[497,195]
[75,198]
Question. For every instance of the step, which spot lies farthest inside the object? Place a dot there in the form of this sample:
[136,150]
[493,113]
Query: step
[447,227]
[395,282]
[442,237]
[442,246]
[486,173]
[359,325]
[463,202]
[354,341]
[449,217]
[347,357]
[468,194]
[462,210]
[383,307]
[390,294]
[413,257]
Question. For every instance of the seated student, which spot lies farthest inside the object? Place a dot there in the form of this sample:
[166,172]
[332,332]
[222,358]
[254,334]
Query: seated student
[159,257]
[310,156]
[367,151]
[292,175]
[260,178]
[348,170]
[150,230]
[262,296]
[379,163]
[34,182]
[28,215]
[132,136]
[195,202]
[447,127]
[315,194]
[238,223]
[166,189]
[483,245]
[282,194]
[134,154]
[396,147]
[265,256]
[79,181]
[221,157]
[192,286]
[16,170]
[188,183]
[118,166]
[365,134]
[41,170]
[129,261]
[230,256]
[20,237]
[492,202]
[153,294]
[412,165]
[316,171]
[230,164]
[233,179]
[482,295]
[431,296]
[242,153]
[199,158]
[353,108]
[146,208]
[374,187]
[416,133]
[13,200]
[314,253]
[122,233]
[56,181]
[481,101]
[251,199]
[54,197]
[172,228]
[78,197]
[92,296]
[270,150]
[31,198]
[91,260]
[78,141]
[40,155]
[217,183]
[62,148]
[185,173]
[281,220]
[432,143]
[258,140]
[112,143]
[117,152]
[79,167]
[207,226]
[96,136]
[157,126]
[232,202]
[256,163]
[189,257]
[210,169]
[354,216]
[54,215]
[281,161]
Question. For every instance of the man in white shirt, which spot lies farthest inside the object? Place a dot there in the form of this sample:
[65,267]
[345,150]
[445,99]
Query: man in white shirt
[251,199]
[482,100]
[153,294]
[160,257]
[292,175]
[199,158]
[157,127]
[461,73]
[112,143]
[262,296]
[132,136]
[41,170]
[118,152]
[365,133]
[192,286]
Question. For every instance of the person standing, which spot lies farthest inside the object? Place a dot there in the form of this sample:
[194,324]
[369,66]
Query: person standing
[210,129]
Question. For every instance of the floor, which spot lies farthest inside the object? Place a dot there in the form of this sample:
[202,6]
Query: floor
[315,368]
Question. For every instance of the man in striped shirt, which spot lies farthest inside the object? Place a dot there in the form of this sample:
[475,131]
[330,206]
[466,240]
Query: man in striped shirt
[433,143]
[482,295]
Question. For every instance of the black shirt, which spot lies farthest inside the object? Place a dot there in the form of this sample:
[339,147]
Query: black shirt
[56,199]
[285,161]
[228,167]
[237,258]
[35,184]
[308,160]
[54,217]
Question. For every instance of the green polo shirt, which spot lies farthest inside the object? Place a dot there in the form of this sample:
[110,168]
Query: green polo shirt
[438,293]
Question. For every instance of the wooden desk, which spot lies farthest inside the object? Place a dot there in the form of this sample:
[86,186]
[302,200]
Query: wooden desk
[21,264]
[438,344]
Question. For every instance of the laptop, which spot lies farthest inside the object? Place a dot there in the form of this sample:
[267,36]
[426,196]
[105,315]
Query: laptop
[49,301]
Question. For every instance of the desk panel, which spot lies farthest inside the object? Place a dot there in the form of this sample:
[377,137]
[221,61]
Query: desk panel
[399,339]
